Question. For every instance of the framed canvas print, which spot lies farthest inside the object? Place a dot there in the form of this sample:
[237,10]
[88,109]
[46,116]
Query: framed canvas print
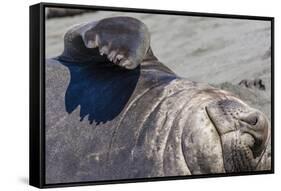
[127,95]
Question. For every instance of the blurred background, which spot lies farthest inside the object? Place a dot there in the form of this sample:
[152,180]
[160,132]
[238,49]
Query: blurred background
[232,54]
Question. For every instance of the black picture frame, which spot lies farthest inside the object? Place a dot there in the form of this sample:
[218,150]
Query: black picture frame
[37,93]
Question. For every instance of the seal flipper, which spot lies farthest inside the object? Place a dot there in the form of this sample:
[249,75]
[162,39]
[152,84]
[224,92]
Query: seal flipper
[124,40]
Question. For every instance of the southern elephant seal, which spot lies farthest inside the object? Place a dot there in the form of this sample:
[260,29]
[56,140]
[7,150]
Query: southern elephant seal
[113,111]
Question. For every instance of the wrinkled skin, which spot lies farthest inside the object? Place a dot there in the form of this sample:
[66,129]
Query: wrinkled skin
[152,122]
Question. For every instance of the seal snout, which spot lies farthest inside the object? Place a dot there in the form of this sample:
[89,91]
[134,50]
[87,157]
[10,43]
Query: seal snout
[255,124]
[243,131]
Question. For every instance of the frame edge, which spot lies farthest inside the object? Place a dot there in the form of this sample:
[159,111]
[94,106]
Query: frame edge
[34,97]
[36,69]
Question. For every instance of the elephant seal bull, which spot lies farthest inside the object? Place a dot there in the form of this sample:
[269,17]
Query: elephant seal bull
[113,111]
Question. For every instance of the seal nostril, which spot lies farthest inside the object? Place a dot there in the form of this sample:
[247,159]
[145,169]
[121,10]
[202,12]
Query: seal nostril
[250,119]
[253,120]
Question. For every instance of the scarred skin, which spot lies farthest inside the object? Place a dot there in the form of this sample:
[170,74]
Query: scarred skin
[153,122]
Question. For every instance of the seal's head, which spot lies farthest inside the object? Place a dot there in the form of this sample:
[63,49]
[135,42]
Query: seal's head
[243,132]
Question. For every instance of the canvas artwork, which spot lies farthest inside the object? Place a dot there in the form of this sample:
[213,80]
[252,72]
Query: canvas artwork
[139,96]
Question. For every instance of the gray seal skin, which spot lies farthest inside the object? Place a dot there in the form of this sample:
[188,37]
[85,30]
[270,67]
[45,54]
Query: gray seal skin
[113,111]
